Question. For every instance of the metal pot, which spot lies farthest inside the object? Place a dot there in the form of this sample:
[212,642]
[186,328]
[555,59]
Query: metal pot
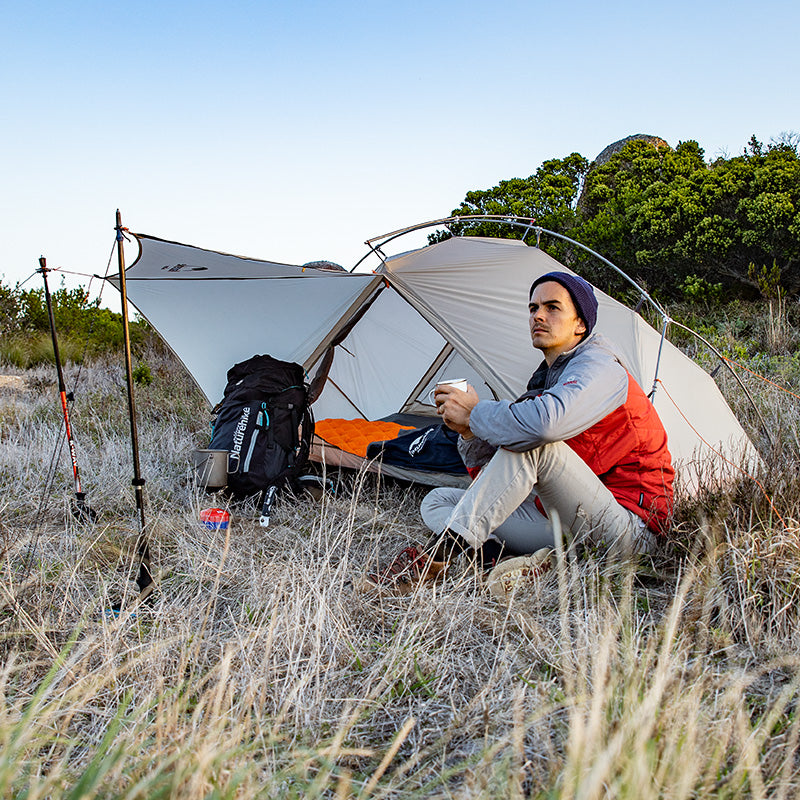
[211,469]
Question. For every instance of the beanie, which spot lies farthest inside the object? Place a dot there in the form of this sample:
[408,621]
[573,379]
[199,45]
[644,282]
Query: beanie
[579,290]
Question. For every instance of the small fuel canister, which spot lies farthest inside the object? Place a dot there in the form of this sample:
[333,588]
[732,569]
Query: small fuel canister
[215,518]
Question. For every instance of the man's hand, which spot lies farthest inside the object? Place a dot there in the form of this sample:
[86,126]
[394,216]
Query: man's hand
[454,407]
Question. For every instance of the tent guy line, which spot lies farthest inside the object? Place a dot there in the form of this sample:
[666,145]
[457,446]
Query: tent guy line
[743,471]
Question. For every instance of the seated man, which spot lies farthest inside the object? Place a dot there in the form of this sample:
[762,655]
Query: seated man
[583,441]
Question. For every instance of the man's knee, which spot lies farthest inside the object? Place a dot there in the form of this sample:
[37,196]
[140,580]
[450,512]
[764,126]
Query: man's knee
[437,505]
[617,531]
[543,464]
[548,452]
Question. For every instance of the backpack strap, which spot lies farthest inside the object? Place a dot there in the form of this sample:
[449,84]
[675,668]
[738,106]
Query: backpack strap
[295,435]
[298,458]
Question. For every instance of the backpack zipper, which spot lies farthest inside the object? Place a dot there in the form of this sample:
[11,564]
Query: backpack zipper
[262,421]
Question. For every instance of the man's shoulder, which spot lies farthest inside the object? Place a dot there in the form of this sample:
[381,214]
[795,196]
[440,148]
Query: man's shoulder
[595,352]
[597,345]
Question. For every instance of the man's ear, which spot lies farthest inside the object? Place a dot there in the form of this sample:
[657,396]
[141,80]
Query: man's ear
[580,328]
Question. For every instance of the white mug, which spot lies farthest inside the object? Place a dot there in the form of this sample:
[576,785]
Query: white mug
[456,383]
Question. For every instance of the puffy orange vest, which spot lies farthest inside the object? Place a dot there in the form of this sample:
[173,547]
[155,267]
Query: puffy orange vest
[627,450]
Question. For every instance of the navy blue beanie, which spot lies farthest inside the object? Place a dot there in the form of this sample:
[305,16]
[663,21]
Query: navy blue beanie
[579,290]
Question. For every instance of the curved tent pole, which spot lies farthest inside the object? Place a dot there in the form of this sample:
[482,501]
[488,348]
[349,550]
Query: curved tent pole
[665,318]
[656,305]
[514,222]
[528,224]
[520,222]
[666,321]
[524,222]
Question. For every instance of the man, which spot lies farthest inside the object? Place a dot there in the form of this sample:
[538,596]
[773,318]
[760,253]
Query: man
[584,441]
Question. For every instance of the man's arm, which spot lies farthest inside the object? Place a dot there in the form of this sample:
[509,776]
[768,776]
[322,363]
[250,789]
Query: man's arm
[586,392]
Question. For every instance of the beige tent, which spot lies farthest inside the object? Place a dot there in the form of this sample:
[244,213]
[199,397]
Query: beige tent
[453,309]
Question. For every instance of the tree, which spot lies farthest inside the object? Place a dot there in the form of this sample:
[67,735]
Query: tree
[638,207]
[661,215]
[549,197]
[664,215]
[78,318]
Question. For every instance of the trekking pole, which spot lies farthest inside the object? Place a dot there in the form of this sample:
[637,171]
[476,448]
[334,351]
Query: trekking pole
[81,509]
[145,577]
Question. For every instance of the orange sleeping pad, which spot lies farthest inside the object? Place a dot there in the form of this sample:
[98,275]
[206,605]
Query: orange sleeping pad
[354,435]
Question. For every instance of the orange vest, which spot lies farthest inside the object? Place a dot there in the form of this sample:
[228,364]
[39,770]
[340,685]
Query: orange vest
[627,450]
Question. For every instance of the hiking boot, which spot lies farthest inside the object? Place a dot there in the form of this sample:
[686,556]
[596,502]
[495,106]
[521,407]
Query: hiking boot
[408,569]
[487,556]
[512,575]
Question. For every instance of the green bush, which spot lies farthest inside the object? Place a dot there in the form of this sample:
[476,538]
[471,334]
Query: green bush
[699,290]
[663,215]
[82,327]
[142,376]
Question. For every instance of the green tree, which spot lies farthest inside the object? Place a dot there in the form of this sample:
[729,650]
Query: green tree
[80,323]
[640,203]
[72,309]
[549,196]
[9,309]
[663,215]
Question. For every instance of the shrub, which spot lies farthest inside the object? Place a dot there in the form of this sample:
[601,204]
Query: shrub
[697,289]
[142,375]
[81,325]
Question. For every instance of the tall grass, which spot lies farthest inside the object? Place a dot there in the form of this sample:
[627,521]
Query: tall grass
[33,350]
[260,669]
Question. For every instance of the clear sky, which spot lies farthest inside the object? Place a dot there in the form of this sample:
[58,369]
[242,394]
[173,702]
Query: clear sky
[293,131]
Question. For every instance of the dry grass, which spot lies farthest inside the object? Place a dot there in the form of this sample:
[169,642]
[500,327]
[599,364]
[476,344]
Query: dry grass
[260,671]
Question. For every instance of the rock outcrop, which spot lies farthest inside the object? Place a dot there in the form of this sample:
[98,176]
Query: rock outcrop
[606,153]
[615,147]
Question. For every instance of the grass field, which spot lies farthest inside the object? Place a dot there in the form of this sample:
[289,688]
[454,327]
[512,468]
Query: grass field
[259,671]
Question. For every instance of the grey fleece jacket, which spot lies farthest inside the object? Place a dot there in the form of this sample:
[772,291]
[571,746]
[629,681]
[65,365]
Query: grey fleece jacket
[579,389]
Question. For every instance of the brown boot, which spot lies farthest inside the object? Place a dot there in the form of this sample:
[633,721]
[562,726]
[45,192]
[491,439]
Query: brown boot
[409,568]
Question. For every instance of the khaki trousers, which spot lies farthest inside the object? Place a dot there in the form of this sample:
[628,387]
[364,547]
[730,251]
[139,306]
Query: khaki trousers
[500,504]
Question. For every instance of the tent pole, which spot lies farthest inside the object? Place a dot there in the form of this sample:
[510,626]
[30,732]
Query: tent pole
[82,510]
[145,577]
[658,358]
[514,222]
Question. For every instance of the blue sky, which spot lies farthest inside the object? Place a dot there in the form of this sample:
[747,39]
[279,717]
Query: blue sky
[294,131]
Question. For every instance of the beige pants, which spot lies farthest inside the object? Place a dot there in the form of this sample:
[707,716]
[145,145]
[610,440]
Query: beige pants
[500,503]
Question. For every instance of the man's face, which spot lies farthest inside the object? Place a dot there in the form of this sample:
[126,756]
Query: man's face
[555,324]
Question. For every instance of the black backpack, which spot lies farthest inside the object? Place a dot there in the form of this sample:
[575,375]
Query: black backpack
[265,423]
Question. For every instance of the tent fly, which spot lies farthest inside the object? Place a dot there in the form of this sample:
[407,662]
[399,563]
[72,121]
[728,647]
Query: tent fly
[456,308]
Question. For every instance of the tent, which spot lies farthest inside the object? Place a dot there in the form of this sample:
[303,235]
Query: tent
[453,309]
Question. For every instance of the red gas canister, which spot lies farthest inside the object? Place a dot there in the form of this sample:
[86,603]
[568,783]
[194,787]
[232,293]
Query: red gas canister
[215,518]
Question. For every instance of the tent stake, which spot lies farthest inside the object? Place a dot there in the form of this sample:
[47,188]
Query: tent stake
[145,577]
[81,510]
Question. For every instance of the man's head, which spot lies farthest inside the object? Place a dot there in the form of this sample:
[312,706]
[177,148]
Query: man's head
[563,311]
[580,292]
